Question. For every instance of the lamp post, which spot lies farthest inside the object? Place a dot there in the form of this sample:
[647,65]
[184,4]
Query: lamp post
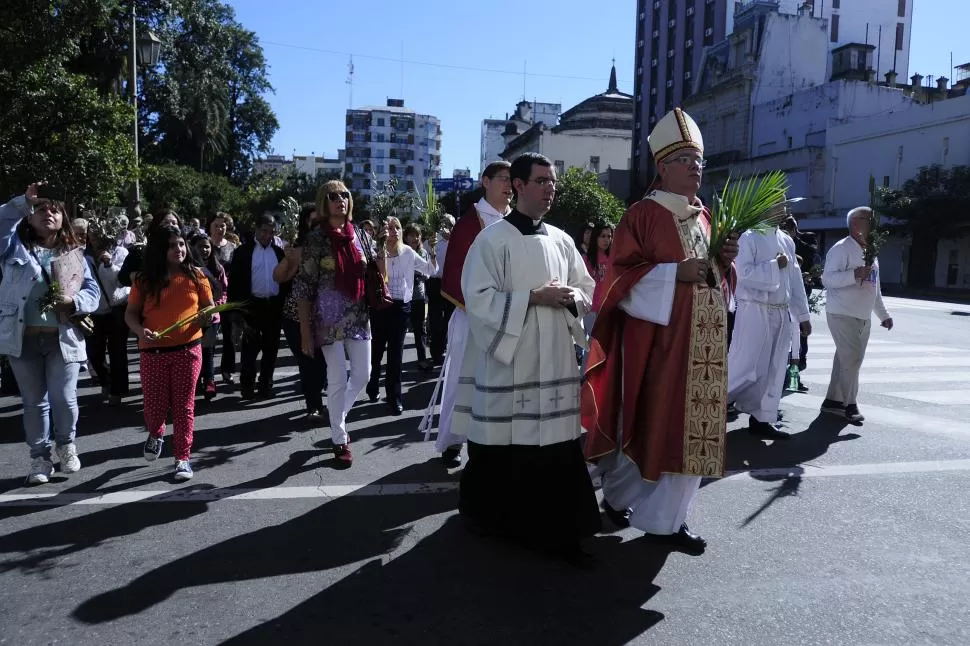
[147,49]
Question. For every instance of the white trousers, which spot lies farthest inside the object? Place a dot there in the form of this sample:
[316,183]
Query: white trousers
[457,342]
[758,359]
[851,337]
[342,391]
[659,507]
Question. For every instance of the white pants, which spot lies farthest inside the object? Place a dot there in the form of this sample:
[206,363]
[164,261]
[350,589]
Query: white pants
[659,507]
[758,359]
[851,336]
[457,342]
[342,391]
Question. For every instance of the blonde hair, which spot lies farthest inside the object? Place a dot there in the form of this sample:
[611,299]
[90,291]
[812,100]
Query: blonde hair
[399,248]
[323,199]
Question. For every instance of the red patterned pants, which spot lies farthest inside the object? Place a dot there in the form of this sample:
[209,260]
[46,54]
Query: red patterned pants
[168,384]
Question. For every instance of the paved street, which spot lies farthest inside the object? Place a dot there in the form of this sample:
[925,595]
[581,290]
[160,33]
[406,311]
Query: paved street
[844,535]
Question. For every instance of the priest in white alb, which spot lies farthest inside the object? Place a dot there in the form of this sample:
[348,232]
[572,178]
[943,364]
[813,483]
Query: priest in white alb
[526,291]
[770,293]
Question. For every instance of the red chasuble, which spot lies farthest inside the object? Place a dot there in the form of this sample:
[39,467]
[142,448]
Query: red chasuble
[669,381]
[463,235]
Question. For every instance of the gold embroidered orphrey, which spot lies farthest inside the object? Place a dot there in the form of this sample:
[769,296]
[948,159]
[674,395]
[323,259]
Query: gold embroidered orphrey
[705,405]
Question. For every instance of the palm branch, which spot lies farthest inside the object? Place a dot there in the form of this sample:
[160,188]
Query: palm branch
[874,240]
[210,311]
[749,204]
[431,209]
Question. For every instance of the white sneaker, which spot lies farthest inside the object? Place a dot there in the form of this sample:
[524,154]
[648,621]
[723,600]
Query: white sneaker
[41,470]
[67,454]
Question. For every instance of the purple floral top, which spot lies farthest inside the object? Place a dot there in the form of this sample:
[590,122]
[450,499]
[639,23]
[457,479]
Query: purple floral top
[334,316]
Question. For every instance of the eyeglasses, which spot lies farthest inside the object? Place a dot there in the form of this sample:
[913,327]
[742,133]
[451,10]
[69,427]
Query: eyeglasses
[333,196]
[689,160]
[544,181]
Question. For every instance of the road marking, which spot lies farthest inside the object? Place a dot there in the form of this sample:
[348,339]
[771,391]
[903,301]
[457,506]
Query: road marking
[821,375]
[332,492]
[891,417]
[958,398]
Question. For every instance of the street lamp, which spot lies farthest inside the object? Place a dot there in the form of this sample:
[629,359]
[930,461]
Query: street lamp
[146,49]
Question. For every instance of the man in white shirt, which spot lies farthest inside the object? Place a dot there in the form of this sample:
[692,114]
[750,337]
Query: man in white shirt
[853,293]
[251,280]
[769,285]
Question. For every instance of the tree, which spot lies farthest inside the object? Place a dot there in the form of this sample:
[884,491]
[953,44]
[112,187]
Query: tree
[581,199]
[932,206]
[389,201]
[204,104]
[192,194]
[265,190]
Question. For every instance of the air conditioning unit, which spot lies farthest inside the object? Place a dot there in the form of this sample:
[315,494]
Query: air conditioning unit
[656,33]
[670,53]
[653,91]
[670,83]
[690,11]
[689,43]
[653,63]
[671,24]
[656,6]
[709,31]
[686,76]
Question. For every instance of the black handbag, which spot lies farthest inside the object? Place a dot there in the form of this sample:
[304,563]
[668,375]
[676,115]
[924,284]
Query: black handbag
[375,287]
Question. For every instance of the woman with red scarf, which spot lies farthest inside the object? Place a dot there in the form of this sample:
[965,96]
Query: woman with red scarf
[332,306]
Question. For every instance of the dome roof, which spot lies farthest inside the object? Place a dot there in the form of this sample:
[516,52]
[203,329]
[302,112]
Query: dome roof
[611,109]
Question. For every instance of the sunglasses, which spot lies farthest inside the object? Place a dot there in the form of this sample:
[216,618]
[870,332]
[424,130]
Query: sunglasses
[333,196]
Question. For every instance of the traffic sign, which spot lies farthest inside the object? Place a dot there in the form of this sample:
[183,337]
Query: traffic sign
[464,183]
[443,185]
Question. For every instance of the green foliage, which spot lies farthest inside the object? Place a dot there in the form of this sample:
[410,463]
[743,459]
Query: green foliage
[937,200]
[748,204]
[192,194]
[389,201]
[265,190]
[580,199]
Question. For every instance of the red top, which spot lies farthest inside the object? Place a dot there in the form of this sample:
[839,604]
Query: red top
[599,274]
[462,236]
[182,297]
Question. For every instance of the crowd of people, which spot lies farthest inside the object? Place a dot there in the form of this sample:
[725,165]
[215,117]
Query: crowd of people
[613,354]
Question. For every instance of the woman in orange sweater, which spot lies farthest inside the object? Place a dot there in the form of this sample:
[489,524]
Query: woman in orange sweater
[167,290]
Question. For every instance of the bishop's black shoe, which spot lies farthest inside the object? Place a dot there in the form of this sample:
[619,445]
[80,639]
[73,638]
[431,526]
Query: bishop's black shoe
[617,517]
[684,541]
[451,457]
[766,430]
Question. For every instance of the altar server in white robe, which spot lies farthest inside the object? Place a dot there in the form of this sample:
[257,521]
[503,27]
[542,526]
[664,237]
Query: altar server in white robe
[770,295]
[526,290]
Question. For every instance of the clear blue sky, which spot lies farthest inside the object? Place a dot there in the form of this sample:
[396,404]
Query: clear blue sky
[464,60]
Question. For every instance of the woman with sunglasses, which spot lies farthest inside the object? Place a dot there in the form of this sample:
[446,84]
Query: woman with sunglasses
[332,306]
[313,370]
[45,349]
[391,324]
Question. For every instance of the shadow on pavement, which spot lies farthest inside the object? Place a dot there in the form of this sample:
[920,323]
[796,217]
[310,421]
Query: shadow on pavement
[449,587]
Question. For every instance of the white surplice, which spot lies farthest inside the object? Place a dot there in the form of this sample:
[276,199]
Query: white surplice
[519,381]
[454,356]
[768,298]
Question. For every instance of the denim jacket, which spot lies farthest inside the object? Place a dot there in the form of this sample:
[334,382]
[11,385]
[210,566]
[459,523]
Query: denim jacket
[20,272]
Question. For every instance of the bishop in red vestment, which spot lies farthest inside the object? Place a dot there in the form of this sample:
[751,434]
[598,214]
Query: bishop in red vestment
[655,397]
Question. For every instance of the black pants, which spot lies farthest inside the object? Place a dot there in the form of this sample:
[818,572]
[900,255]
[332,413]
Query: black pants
[110,339]
[228,365]
[439,311]
[417,327]
[388,328]
[313,370]
[265,316]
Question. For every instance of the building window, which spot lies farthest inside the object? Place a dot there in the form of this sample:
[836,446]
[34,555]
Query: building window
[835,28]
[885,181]
[380,169]
[899,36]
[560,167]
[901,10]
[594,163]
[835,4]
[380,122]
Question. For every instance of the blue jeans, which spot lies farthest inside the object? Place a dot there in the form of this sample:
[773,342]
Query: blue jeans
[48,388]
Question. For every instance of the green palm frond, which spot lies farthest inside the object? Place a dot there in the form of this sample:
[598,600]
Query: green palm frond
[747,204]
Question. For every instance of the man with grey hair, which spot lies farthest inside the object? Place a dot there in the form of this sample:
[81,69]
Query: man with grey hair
[853,294]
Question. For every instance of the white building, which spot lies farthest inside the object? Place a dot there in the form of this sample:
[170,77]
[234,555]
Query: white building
[887,24]
[594,135]
[391,141]
[891,150]
[527,114]
[308,164]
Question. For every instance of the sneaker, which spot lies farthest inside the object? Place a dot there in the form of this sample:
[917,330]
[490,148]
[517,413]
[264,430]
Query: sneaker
[344,456]
[67,454]
[834,407]
[210,389]
[853,415]
[153,448]
[41,470]
[183,470]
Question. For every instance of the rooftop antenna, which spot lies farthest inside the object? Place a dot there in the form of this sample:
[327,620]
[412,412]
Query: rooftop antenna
[350,80]
[524,68]
[402,69]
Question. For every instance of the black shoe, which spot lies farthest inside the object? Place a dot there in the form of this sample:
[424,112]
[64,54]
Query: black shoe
[573,554]
[766,430]
[451,457]
[264,393]
[853,415]
[425,366]
[619,518]
[834,407]
[802,388]
[247,392]
[683,540]
[372,394]
[395,408]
